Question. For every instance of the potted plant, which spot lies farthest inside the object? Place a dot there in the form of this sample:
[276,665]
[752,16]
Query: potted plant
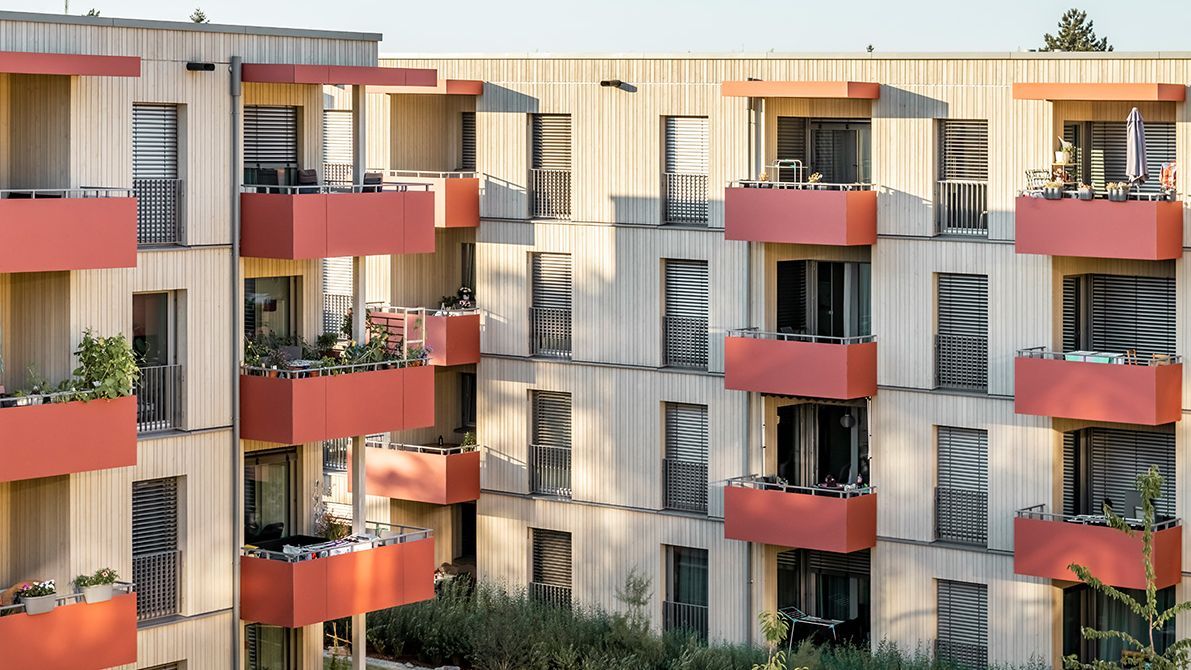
[38,597]
[1085,192]
[469,439]
[1117,191]
[107,367]
[96,588]
[1052,190]
[1066,150]
[815,180]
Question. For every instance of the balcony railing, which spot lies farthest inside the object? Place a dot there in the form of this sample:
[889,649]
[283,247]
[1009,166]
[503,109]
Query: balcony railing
[157,576]
[339,174]
[329,370]
[550,594]
[158,211]
[65,193]
[328,188]
[550,194]
[68,598]
[685,616]
[758,334]
[550,332]
[392,534]
[961,362]
[961,207]
[159,398]
[550,470]
[684,485]
[685,198]
[961,515]
[335,454]
[685,342]
[1100,357]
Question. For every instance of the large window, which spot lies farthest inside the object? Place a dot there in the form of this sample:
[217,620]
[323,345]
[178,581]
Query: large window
[270,647]
[685,605]
[962,624]
[1101,465]
[824,298]
[270,144]
[829,586]
[961,497]
[270,307]
[839,150]
[961,344]
[270,495]
[156,559]
[1083,607]
[961,194]
[159,388]
[1100,151]
[1118,314]
[685,464]
[822,444]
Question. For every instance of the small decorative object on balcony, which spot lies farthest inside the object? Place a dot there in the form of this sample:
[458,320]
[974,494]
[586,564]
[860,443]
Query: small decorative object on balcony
[97,587]
[1052,190]
[1066,150]
[815,180]
[464,298]
[469,439]
[1117,191]
[38,597]
[1085,192]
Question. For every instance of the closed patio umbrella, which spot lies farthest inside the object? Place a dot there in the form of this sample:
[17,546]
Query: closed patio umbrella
[1135,150]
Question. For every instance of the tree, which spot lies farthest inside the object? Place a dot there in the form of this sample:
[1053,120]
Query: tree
[198,16]
[1178,655]
[636,595]
[1076,33]
[774,628]
[869,49]
[92,12]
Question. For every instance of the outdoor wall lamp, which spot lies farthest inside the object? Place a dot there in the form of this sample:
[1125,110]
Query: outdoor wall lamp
[200,67]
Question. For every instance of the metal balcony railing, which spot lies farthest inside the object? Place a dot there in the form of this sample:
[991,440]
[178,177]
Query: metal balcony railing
[550,470]
[326,187]
[961,207]
[550,194]
[335,454]
[158,211]
[550,332]
[685,616]
[961,515]
[772,483]
[159,398]
[961,362]
[58,193]
[558,596]
[1038,512]
[684,485]
[157,576]
[684,342]
[685,198]
[66,598]
[758,334]
[381,535]
[1098,357]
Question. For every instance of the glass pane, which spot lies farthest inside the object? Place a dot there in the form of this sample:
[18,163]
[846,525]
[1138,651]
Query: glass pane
[690,576]
[268,498]
[864,300]
[269,307]
[268,648]
[150,328]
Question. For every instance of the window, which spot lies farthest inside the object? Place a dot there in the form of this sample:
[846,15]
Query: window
[841,150]
[1100,151]
[338,146]
[467,400]
[551,581]
[1117,313]
[685,606]
[270,495]
[1083,607]
[155,181]
[791,146]
[156,564]
[159,388]
[961,497]
[270,144]
[550,451]
[467,143]
[963,623]
[1101,465]
[550,313]
[824,298]
[467,265]
[830,586]
[270,647]
[550,166]
[822,443]
[685,170]
[684,323]
[685,464]
[270,307]
[961,195]
[961,345]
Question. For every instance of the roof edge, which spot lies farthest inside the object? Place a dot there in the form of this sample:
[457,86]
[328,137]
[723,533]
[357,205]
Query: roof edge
[153,24]
[726,56]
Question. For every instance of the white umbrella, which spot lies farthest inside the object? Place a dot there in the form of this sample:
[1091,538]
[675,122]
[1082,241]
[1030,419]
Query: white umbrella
[1135,148]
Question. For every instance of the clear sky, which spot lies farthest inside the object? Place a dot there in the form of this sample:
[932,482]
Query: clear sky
[670,26]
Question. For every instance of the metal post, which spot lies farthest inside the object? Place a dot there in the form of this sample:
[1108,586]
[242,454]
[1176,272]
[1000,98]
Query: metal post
[236,480]
[359,133]
[759,140]
[359,517]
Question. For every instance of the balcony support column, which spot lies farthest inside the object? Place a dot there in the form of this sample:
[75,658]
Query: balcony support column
[359,132]
[759,138]
[359,525]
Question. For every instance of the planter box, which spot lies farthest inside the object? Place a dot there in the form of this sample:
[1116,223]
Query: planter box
[800,520]
[435,478]
[453,340]
[809,369]
[65,438]
[49,234]
[1142,394]
[1045,547]
[797,216]
[302,226]
[293,411]
[72,637]
[1135,229]
[280,593]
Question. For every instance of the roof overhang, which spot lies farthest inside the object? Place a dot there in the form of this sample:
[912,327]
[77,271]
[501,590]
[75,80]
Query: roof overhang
[444,87]
[24,62]
[1100,92]
[353,75]
[860,90]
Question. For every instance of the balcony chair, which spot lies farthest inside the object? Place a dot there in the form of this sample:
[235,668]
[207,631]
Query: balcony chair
[372,182]
[307,181]
[1035,181]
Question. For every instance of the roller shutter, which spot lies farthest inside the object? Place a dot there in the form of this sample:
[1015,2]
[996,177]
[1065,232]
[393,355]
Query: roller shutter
[963,150]
[963,623]
[552,281]
[552,419]
[270,136]
[552,557]
[1107,159]
[961,499]
[155,563]
[1071,314]
[686,457]
[686,144]
[1133,313]
[855,563]
[791,296]
[791,145]
[1117,457]
[154,142]
[551,142]
[686,296]
[961,353]
[467,141]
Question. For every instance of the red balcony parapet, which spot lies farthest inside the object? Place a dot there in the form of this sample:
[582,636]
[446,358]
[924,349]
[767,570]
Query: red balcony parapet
[342,75]
[422,473]
[1045,544]
[26,62]
[456,195]
[799,517]
[1098,386]
[800,365]
[453,337]
[296,406]
[73,636]
[863,90]
[44,230]
[1134,229]
[801,213]
[53,438]
[331,579]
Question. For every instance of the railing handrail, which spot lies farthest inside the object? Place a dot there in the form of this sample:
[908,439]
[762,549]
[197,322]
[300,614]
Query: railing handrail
[549,447]
[1039,512]
[427,311]
[754,481]
[558,170]
[62,598]
[259,371]
[444,450]
[314,189]
[1114,358]
[85,191]
[402,535]
[803,185]
[758,334]
[431,174]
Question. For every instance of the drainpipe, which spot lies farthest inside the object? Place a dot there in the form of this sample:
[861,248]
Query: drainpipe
[237,466]
[758,129]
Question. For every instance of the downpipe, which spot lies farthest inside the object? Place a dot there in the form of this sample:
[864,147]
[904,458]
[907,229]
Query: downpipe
[237,467]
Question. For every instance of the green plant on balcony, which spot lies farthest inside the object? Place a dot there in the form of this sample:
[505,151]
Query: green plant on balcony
[107,367]
[469,439]
[37,597]
[96,587]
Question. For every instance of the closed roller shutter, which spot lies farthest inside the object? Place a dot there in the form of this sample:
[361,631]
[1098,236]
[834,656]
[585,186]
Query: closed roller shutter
[1117,457]
[963,150]
[338,153]
[550,452]
[686,457]
[154,142]
[791,296]
[1071,472]
[551,142]
[961,352]
[961,499]
[791,145]
[1133,313]
[855,563]
[963,623]
[552,281]
[270,136]
[467,141]
[686,140]
[1071,314]
[552,557]
[1107,159]
[686,296]
[155,564]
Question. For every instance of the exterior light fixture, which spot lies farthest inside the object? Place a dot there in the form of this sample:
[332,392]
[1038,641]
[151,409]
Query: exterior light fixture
[200,67]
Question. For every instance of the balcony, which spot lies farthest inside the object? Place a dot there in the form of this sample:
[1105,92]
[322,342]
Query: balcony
[49,435]
[44,230]
[292,406]
[1045,544]
[1098,386]
[456,195]
[1134,229]
[453,337]
[801,213]
[73,636]
[838,520]
[306,222]
[842,368]
[332,579]
[431,474]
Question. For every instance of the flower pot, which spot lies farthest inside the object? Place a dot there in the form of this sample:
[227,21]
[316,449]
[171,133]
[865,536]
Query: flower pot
[40,604]
[1086,194]
[100,593]
[1051,193]
[1118,195]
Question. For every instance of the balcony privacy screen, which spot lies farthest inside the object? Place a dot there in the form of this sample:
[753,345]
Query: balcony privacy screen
[1103,464]
[685,320]
[155,556]
[685,471]
[550,458]
[551,566]
[961,498]
[963,623]
[961,346]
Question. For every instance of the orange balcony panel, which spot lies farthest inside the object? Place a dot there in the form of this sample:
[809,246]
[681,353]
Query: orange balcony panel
[1143,394]
[1136,229]
[460,203]
[48,234]
[801,89]
[453,340]
[419,222]
[66,438]
[809,369]
[1044,547]
[343,75]
[438,477]
[20,62]
[1099,92]
[800,216]
[365,224]
[77,636]
[800,520]
[309,409]
[281,593]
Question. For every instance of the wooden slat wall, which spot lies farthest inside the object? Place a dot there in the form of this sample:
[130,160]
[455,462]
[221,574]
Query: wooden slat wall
[40,126]
[421,280]
[204,642]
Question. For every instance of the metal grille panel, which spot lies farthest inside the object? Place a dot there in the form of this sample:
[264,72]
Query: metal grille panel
[685,321]
[155,180]
[961,346]
[156,560]
[158,207]
[685,463]
[159,398]
[685,199]
[550,194]
[963,623]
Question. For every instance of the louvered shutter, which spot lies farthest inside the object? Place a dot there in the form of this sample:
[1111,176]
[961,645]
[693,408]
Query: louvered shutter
[337,292]
[338,152]
[1117,457]
[1107,159]
[551,142]
[963,623]
[961,352]
[791,145]
[550,457]
[1071,314]
[1071,473]
[686,142]
[686,296]
[552,557]
[855,563]
[961,499]
[270,136]
[552,281]
[791,296]
[963,150]
[467,141]
[1133,313]
[154,142]
[1073,132]
[686,457]
[155,560]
